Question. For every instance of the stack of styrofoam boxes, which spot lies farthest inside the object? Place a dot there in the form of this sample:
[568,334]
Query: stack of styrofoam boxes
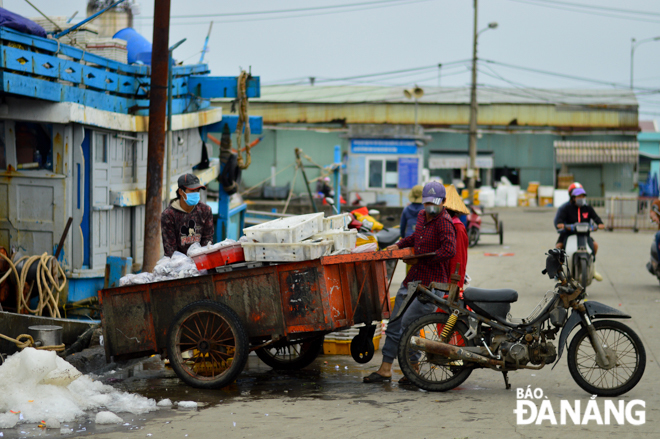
[339,343]
[335,230]
[78,38]
[111,48]
[284,240]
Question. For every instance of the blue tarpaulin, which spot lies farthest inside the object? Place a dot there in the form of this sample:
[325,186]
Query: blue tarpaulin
[21,24]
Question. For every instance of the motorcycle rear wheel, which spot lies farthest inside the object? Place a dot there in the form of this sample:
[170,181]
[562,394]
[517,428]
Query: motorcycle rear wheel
[433,372]
[473,236]
[626,347]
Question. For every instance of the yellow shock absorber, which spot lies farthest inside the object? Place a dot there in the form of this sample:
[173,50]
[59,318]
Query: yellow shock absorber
[451,321]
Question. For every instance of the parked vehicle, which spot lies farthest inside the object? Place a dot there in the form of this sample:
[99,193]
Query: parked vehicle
[439,351]
[474,225]
[579,252]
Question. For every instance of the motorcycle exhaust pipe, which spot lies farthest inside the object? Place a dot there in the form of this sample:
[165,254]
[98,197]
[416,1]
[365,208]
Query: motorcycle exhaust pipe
[452,352]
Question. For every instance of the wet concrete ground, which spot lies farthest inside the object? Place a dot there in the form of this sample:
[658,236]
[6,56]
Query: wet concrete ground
[328,398]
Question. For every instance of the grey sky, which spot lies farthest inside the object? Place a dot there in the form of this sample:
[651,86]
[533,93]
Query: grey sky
[418,33]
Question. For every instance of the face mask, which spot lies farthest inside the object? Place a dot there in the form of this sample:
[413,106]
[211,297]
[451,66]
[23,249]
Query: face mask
[580,201]
[433,210]
[192,198]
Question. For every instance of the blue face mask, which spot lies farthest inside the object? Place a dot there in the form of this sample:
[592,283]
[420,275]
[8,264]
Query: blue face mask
[192,198]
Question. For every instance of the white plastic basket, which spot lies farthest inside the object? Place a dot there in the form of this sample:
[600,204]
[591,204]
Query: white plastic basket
[287,230]
[342,239]
[337,222]
[296,252]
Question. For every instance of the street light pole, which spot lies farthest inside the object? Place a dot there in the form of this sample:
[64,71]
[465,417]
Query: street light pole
[472,145]
[633,45]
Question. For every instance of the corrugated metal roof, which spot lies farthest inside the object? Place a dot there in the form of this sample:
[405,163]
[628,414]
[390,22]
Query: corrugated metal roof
[343,94]
[596,152]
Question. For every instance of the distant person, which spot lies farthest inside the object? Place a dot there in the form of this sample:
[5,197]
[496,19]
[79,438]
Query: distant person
[323,187]
[186,220]
[456,208]
[410,213]
[564,206]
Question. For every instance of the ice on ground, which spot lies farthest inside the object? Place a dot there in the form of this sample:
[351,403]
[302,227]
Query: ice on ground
[108,418]
[40,385]
[165,403]
[8,420]
[187,405]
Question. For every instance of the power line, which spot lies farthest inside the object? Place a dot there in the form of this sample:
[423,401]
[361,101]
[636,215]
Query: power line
[581,11]
[278,11]
[313,14]
[602,8]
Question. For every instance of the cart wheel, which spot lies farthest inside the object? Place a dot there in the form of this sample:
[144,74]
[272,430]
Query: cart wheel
[207,345]
[473,236]
[291,355]
[362,345]
[501,231]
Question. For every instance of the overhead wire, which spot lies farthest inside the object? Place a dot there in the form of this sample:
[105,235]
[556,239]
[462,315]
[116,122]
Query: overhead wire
[406,3]
[581,11]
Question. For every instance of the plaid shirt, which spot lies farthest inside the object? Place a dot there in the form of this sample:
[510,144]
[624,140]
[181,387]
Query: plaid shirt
[436,235]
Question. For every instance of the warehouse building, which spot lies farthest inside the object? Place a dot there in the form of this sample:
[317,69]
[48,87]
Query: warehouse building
[390,142]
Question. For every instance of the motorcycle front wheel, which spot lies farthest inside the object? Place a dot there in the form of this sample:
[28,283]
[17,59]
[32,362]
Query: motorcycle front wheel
[433,372]
[473,236]
[624,350]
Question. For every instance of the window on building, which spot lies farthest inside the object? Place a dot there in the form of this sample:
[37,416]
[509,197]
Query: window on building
[3,148]
[34,146]
[100,148]
[383,173]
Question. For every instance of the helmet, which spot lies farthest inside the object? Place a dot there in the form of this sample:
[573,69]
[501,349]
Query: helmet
[573,186]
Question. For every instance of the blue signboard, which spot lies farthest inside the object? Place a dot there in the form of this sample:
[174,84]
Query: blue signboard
[408,171]
[383,146]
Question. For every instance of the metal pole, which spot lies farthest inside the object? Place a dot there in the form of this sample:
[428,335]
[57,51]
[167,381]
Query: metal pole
[156,145]
[337,179]
[206,43]
[168,182]
[472,146]
[302,168]
[87,20]
[632,54]
[439,68]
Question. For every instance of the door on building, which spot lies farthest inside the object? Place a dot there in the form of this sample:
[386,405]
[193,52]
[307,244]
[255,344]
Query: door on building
[591,178]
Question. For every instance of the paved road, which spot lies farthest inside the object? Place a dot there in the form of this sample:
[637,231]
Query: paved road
[328,399]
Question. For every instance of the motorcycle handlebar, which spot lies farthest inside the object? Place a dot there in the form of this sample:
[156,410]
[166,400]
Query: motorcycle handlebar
[572,227]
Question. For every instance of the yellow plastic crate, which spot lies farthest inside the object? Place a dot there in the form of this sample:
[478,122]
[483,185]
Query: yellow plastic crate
[343,347]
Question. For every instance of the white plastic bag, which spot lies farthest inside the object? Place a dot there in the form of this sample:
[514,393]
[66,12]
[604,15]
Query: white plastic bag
[366,248]
[143,278]
[126,280]
[195,249]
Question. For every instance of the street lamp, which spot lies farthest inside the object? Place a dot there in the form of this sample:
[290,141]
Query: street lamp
[633,45]
[472,145]
[414,93]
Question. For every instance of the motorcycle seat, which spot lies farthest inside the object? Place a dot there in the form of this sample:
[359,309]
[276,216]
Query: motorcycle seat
[485,295]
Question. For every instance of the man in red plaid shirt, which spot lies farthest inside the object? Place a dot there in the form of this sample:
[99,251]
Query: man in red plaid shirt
[434,233]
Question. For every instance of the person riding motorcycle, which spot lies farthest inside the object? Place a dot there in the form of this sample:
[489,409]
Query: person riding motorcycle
[573,186]
[577,211]
[655,217]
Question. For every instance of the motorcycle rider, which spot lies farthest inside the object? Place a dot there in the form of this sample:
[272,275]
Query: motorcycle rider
[434,233]
[578,211]
[568,203]
[410,213]
[655,217]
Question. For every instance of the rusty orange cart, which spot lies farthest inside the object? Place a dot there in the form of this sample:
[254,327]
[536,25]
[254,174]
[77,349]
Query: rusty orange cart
[207,325]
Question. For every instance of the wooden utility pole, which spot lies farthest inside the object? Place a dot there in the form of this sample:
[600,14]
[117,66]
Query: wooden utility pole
[472,146]
[156,151]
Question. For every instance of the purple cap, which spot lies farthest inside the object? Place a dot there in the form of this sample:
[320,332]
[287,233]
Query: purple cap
[578,191]
[433,192]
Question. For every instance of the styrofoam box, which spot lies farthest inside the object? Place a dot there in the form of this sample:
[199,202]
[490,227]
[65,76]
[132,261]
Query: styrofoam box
[343,239]
[301,251]
[287,230]
[337,222]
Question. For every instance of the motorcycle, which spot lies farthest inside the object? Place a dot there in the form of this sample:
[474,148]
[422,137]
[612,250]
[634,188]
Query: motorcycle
[439,351]
[579,252]
[653,266]
[473,225]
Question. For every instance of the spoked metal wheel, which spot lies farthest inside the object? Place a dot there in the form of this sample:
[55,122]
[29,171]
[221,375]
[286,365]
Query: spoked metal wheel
[626,359]
[433,372]
[207,345]
[292,355]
